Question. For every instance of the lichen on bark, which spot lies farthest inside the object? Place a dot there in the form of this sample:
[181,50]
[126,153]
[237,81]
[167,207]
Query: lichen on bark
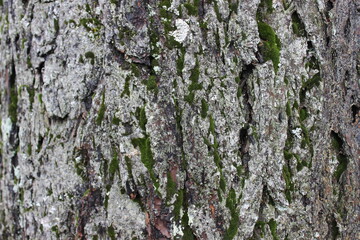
[181,119]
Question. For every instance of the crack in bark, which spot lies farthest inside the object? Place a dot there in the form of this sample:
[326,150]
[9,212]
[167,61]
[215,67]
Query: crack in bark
[244,138]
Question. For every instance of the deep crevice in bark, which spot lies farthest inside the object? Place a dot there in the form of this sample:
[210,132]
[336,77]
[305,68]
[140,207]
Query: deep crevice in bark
[244,135]
[14,144]
[355,113]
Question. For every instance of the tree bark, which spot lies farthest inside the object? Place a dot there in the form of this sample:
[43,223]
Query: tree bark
[198,119]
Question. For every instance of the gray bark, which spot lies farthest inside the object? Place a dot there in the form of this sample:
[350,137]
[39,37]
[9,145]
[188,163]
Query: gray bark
[199,119]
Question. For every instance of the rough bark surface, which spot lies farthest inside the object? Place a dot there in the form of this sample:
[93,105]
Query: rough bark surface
[198,119]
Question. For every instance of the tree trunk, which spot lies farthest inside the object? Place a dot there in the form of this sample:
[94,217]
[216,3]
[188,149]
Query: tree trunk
[198,119]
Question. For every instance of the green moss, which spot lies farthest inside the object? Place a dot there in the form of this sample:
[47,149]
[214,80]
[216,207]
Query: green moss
[207,142]
[286,4]
[231,200]
[72,22]
[40,98]
[106,201]
[91,25]
[128,166]
[31,92]
[288,182]
[56,25]
[303,114]
[80,170]
[21,195]
[270,47]
[261,225]
[313,63]
[273,229]
[111,232]
[87,8]
[114,165]
[190,98]
[165,3]
[297,25]
[212,125]
[239,91]
[146,156]
[217,12]
[178,115]
[217,40]
[171,43]
[204,108]
[81,59]
[116,121]
[203,25]
[141,116]
[306,139]
[268,5]
[312,82]
[287,155]
[86,193]
[231,204]
[151,84]
[219,195]
[170,187]
[191,9]
[233,6]
[55,229]
[301,164]
[265,8]
[154,39]
[91,56]
[23,41]
[255,133]
[28,62]
[338,145]
[336,142]
[233,227]
[180,62]
[195,73]
[126,90]
[288,109]
[222,183]
[29,149]
[240,170]
[296,105]
[165,15]
[217,161]
[286,80]
[145,149]
[302,95]
[195,85]
[102,110]
[135,70]
[188,233]
[178,205]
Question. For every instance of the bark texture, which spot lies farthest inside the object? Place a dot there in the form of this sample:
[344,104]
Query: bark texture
[174,119]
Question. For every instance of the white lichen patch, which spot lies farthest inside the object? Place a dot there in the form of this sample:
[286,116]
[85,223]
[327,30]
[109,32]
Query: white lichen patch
[297,132]
[6,128]
[182,30]
[177,230]
[157,69]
